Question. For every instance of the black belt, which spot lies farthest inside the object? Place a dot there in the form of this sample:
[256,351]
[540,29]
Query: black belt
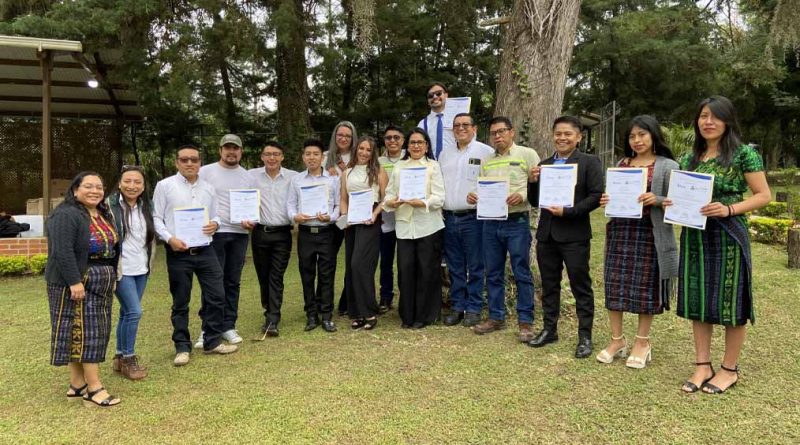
[518,215]
[103,261]
[190,251]
[315,229]
[273,229]
[459,212]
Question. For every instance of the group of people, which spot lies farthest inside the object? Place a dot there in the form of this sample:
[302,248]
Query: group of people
[99,244]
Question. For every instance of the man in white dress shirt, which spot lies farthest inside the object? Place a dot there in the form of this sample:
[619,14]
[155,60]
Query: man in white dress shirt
[186,189]
[272,236]
[440,132]
[461,166]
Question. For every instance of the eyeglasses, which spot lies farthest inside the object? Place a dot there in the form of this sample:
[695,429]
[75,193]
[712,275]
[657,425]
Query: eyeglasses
[392,138]
[272,155]
[456,126]
[416,143]
[499,132]
[187,160]
[90,187]
[437,93]
[346,137]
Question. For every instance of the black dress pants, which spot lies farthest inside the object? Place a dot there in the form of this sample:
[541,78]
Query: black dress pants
[338,238]
[271,251]
[552,256]
[316,260]
[418,262]
[362,245]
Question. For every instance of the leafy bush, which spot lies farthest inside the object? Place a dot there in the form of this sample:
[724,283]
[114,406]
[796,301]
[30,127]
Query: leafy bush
[680,138]
[769,230]
[775,210]
[785,176]
[12,265]
[36,263]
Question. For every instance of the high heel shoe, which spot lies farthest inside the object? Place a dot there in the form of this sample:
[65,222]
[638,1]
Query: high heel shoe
[606,357]
[694,388]
[637,362]
[708,388]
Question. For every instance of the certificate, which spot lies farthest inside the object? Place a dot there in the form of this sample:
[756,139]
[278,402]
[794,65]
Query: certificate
[557,185]
[314,199]
[492,195]
[245,205]
[454,106]
[623,187]
[688,191]
[189,222]
[413,183]
[359,207]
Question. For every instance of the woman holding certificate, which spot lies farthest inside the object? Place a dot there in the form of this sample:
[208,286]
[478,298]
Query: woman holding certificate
[715,274]
[416,193]
[362,187]
[641,258]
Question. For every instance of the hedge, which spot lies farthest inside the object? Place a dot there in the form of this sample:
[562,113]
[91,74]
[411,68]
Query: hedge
[18,265]
[769,230]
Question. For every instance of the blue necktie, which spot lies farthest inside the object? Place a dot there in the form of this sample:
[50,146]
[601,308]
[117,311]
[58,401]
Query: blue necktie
[439,134]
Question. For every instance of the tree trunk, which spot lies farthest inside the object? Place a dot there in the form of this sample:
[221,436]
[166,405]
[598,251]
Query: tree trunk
[537,48]
[230,106]
[294,123]
[347,84]
[793,248]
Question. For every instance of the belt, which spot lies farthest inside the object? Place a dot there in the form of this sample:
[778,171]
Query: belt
[459,212]
[273,229]
[518,215]
[315,229]
[190,251]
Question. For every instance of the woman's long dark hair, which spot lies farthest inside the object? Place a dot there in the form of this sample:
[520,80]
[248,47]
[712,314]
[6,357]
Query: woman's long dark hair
[142,201]
[373,166]
[649,124]
[428,153]
[722,108]
[70,199]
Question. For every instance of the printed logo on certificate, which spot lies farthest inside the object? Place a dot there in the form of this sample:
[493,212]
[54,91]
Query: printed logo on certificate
[689,192]
[557,185]
[245,205]
[492,195]
[314,199]
[189,222]
[623,187]
[413,183]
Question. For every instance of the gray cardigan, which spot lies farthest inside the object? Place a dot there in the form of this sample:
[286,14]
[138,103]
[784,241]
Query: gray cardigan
[666,247]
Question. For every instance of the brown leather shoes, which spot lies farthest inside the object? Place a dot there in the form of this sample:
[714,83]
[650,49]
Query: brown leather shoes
[525,332]
[489,326]
[130,368]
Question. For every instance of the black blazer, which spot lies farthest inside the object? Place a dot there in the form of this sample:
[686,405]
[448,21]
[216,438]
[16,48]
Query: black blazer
[574,225]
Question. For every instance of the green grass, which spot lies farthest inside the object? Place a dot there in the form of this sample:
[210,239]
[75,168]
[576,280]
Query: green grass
[437,385]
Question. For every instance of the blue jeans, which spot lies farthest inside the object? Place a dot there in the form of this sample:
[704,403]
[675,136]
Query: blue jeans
[462,252]
[231,249]
[388,245]
[130,289]
[512,236]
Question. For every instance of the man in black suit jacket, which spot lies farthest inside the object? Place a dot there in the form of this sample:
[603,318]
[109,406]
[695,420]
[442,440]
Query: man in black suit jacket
[563,237]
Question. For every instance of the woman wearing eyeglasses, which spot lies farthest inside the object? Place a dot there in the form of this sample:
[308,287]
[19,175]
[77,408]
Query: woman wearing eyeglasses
[133,219]
[82,256]
[419,227]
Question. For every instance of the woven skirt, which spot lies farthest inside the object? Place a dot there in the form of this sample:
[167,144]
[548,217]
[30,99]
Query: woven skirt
[632,278]
[81,329]
[714,284]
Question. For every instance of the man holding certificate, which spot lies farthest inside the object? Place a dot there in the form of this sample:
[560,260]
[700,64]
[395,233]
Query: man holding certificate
[313,203]
[564,233]
[510,236]
[271,242]
[231,181]
[187,193]
[461,167]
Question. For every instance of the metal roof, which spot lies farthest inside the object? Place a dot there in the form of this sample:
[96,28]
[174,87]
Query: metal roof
[21,81]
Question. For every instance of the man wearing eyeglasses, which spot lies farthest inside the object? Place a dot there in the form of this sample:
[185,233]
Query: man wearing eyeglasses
[272,236]
[186,189]
[461,166]
[230,241]
[511,236]
[440,132]
[393,142]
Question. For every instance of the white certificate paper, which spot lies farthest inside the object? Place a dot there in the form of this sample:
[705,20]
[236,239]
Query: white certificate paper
[688,191]
[245,205]
[413,183]
[492,195]
[314,199]
[189,222]
[557,185]
[623,187]
[359,207]
[454,106]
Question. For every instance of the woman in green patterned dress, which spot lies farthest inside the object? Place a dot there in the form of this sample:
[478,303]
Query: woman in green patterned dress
[715,273]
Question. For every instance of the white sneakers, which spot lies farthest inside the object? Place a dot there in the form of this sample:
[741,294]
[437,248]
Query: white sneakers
[181,359]
[222,348]
[231,336]
[199,343]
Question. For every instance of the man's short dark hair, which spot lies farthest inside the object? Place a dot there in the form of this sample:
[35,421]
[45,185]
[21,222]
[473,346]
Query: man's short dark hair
[471,119]
[188,146]
[501,120]
[312,142]
[571,120]
[275,144]
[436,84]
[393,127]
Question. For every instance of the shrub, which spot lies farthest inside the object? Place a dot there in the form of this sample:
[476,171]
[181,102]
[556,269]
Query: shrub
[769,230]
[785,176]
[36,263]
[12,265]
[775,210]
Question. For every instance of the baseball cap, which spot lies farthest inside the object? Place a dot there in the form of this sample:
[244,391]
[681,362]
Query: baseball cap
[230,139]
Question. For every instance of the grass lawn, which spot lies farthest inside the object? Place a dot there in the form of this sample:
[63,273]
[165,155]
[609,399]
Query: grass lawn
[437,385]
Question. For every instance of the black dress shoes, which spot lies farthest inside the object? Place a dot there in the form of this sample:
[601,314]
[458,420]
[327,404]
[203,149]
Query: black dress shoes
[311,324]
[328,326]
[417,325]
[453,318]
[544,337]
[584,348]
[271,329]
[471,319]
